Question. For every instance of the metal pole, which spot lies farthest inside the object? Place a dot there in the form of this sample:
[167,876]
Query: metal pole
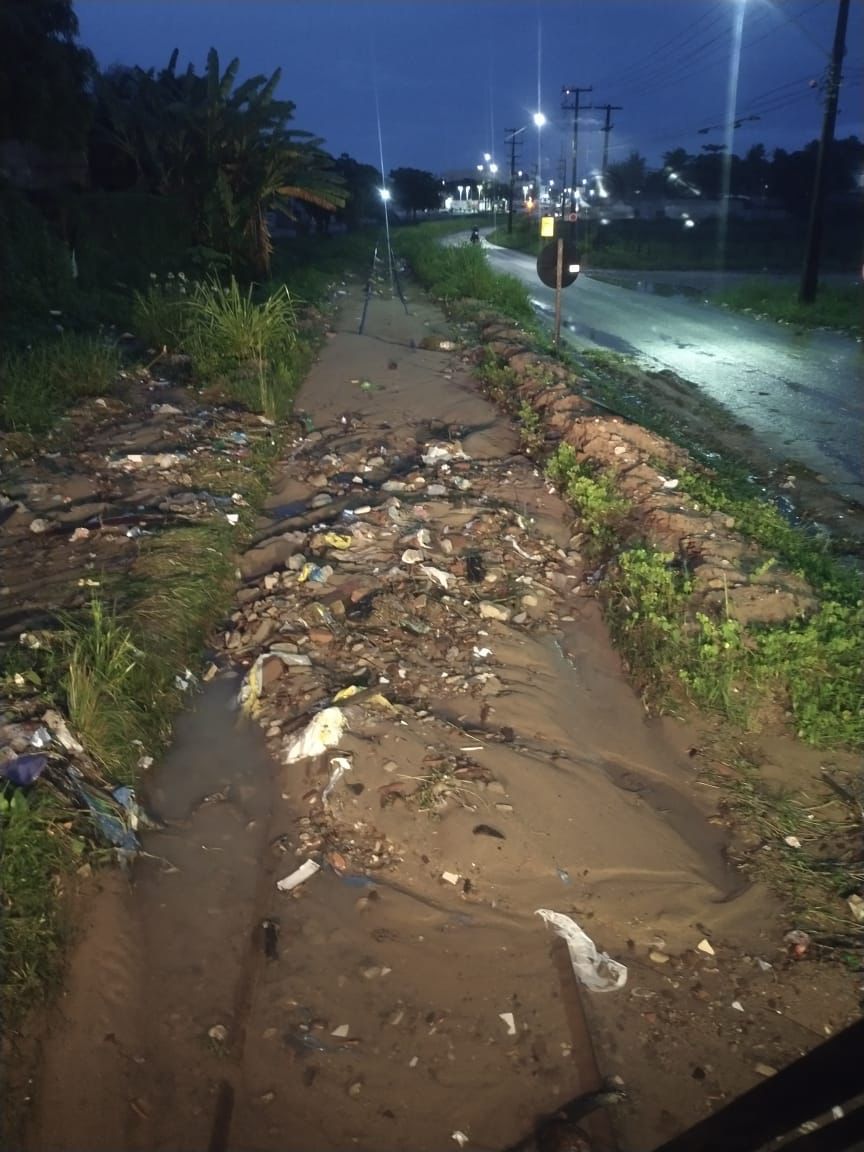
[810,272]
[559,276]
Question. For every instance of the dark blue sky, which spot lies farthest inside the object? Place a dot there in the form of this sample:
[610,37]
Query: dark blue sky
[452,76]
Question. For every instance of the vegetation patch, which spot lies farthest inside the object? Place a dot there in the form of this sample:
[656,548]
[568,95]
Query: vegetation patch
[839,307]
[39,384]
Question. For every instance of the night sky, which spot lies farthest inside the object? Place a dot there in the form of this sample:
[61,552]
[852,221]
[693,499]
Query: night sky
[452,76]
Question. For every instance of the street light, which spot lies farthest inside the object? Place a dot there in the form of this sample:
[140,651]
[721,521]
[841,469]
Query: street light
[539,120]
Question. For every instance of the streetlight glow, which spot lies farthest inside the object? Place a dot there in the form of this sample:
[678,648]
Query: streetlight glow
[539,119]
[385,193]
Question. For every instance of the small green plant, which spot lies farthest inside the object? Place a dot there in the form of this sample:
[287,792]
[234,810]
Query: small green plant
[40,383]
[530,429]
[594,495]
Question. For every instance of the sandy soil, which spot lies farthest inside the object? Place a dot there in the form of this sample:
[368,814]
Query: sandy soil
[205,1009]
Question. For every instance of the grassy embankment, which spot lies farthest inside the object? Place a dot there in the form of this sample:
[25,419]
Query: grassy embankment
[812,667]
[764,247]
[112,668]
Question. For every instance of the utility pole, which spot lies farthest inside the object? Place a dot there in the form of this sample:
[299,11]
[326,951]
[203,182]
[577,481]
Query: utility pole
[606,129]
[566,91]
[512,133]
[810,272]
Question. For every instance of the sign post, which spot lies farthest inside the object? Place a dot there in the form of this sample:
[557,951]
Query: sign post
[559,272]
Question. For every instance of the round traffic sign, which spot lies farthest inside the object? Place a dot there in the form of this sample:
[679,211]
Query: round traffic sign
[547,264]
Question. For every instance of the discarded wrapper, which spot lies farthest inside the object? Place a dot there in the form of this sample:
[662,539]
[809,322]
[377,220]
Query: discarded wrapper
[339,766]
[323,731]
[298,877]
[595,970]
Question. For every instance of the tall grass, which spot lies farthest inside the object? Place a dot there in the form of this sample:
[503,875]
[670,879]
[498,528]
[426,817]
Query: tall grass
[40,383]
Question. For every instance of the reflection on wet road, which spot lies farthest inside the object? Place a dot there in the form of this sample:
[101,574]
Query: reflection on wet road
[799,392]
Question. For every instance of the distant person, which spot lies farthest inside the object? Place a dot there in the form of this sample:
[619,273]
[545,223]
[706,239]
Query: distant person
[475,235]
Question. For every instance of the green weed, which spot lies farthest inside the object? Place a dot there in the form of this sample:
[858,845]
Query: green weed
[593,494]
[40,383]
[160,316]
[836,306]
[531,435]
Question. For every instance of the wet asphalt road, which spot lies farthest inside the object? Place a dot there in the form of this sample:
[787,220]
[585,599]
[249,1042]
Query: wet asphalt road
[801,393]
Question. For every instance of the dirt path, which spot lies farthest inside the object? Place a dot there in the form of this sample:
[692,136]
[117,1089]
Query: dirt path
[498,763]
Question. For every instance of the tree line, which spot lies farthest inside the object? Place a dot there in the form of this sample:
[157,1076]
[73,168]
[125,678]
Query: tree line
[224,151]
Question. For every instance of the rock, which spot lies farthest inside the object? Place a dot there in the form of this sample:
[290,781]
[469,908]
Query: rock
[38,526]
[705,946]
[497,787]
[271,670]
[263,631]
[502,807]
[320,636]
[765,1070]
[658,957]
[490,611]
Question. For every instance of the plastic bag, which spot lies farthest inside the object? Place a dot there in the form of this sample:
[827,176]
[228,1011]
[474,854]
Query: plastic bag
[596,970]
[323,731]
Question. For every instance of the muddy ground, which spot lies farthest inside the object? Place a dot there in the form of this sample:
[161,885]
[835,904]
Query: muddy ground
[494,761]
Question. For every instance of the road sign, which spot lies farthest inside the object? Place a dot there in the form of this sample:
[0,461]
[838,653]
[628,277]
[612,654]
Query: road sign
[573,217]
[547,226]
[547,265]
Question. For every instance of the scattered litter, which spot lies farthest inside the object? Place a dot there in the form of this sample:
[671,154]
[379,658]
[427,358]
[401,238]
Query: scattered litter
[658,957]
[438,575]
[337,540]
[792,841]
[737,1005]
[765,1070]
[705,946]
[79,534]
[856,907]
[184,680]
[563,875]
[342,1031]
[60,732]
[412,556]
[670,485]
[510,1021]
[298,877]
[218,1033]
[763,965]
[314,574]
[233,518]
[450,877]
[24,770]
[460,1138]
[798,942]
[323,731]
[473,748]
[597,971]
[481,653]
[135,814]
[38,526]
[340,765]
[525,555]
[440,453]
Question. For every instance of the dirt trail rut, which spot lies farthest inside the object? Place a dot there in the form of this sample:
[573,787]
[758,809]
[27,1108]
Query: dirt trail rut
[492,737]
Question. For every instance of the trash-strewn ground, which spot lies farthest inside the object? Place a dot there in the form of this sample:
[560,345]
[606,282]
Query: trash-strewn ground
[486,758]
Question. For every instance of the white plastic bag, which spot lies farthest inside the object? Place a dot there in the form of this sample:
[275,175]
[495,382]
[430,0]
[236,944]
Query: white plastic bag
[596,970]
[323,731]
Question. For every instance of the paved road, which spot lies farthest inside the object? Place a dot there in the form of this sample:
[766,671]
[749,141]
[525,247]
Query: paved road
[801,393]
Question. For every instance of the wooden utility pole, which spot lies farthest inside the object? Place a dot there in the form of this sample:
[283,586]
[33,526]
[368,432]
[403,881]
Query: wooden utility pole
[810,272]
[512,133]
[606,129]
[572,90]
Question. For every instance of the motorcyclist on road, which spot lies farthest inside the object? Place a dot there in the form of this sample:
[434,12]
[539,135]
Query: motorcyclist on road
[475,235]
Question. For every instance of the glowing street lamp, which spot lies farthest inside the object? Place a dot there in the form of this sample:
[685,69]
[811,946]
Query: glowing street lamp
[539,120]
[385,194]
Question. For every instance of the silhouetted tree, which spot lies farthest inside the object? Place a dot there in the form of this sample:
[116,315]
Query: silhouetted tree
[44,75]
[415,190]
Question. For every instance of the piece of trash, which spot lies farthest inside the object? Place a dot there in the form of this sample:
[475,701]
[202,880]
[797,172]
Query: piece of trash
[24,770]
[481,653]
[347,693]
[658,957]
[460,1138]
[563,875]
[737,1005]
[798,942]
[233,518]
[763,965]
[38,526]
[765,1070]
[450,877]
[412,556]
[670,485]
[314,574]
[183,681]
[298,876]
[60,731]
[445,579]
[792,841]
[488,830]
[323,731]
[342,1031]
[270,930]
[338,540]
[218,1033]
[856,907]
[79,534]
[705,946]
[107,820]
[510,1021]
[525,555]
[138,818]
[340,765]
[597,971]
[439,453]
